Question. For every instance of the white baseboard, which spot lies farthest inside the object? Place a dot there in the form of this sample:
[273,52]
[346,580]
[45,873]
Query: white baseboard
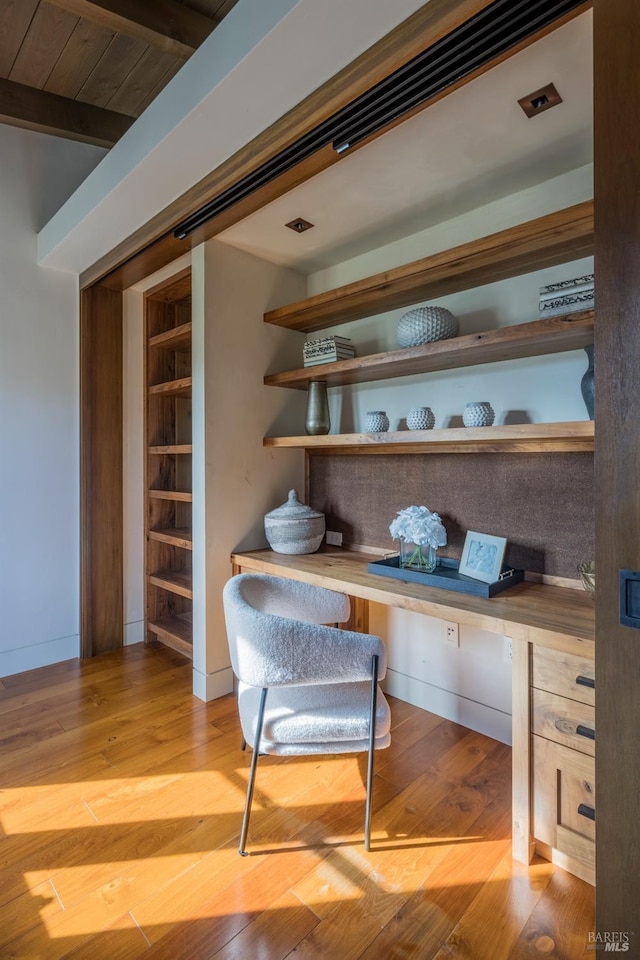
[213,685]
[133,632]
[39,655]
[477,716]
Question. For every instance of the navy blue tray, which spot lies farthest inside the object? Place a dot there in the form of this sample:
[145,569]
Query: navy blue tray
[446,576]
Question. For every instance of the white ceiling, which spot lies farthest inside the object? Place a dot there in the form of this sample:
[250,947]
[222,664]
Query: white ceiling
[236,84]
[474,146]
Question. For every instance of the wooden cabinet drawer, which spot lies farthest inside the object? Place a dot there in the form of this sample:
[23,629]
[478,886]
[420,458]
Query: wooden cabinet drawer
[564,801]
[563,673]
[563,720]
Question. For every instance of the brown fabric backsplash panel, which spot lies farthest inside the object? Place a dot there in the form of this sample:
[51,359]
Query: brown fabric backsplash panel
[542,503]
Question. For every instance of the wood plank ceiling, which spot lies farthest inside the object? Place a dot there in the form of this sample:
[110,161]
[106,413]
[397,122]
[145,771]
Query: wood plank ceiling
[85,69]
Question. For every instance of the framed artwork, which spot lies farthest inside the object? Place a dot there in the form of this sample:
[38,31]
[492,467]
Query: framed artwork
[482,556]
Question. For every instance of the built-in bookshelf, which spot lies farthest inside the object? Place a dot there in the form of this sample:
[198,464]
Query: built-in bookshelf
[168,544]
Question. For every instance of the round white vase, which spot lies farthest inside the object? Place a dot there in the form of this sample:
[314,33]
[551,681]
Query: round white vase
[478,414]
[421,418]
[376,421]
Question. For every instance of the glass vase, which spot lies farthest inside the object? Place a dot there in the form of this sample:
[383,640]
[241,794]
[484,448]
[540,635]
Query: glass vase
[418,556]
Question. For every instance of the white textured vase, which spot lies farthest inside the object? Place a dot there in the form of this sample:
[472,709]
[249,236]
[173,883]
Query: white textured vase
[421,418]
[478,414]
[376,421]
[425,325]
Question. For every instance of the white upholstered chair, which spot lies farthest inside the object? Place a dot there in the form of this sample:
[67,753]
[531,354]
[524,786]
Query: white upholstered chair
[303,687]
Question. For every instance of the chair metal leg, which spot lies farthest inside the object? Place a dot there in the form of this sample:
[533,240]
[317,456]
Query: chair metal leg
[372,749]
[252,773]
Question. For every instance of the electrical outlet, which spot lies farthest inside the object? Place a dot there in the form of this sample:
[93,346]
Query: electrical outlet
[451,634]
[333,538]
[507,650]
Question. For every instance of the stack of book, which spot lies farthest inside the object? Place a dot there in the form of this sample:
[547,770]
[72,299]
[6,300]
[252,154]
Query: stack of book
[327,350]
[568,296]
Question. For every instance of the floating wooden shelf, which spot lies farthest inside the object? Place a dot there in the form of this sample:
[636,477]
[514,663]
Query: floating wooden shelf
[175,581]
[175,632]
[573,437]
[176,536]
[540,337]
[178,338]
[172,388]
[171,448]
[556,238]
[184,496]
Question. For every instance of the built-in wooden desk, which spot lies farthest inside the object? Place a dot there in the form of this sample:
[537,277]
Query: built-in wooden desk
[553,633]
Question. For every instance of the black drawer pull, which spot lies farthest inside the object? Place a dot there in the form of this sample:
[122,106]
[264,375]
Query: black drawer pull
[586,811]
[585,682]
[587,732]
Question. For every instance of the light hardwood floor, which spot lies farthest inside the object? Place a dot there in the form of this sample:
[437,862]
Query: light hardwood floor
[120,811]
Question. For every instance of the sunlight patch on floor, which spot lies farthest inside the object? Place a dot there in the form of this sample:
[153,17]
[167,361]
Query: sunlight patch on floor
[114,801]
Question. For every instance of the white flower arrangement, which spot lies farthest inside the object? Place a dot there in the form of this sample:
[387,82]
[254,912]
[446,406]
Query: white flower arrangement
[425,530]
[419,525]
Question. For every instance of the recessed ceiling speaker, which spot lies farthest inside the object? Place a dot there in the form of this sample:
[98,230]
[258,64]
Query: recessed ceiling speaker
[540,100]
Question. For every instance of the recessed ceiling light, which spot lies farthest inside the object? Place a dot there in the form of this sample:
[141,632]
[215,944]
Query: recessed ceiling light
[299,225]
[540,100]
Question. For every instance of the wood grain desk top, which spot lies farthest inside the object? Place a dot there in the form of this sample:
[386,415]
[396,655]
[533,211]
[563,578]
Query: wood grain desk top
[559,617]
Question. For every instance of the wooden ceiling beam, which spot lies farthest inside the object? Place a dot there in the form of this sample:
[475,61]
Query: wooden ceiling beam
[166,24]
[23,106]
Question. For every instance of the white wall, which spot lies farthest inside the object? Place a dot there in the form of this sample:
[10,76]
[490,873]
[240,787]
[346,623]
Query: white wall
[470,684]
[235,479]
[39,544]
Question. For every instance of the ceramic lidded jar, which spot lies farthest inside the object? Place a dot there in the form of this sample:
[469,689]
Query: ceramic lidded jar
[294,527]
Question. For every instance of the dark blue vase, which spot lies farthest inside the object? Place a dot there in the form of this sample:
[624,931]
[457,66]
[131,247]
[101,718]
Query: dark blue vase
[587,384]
